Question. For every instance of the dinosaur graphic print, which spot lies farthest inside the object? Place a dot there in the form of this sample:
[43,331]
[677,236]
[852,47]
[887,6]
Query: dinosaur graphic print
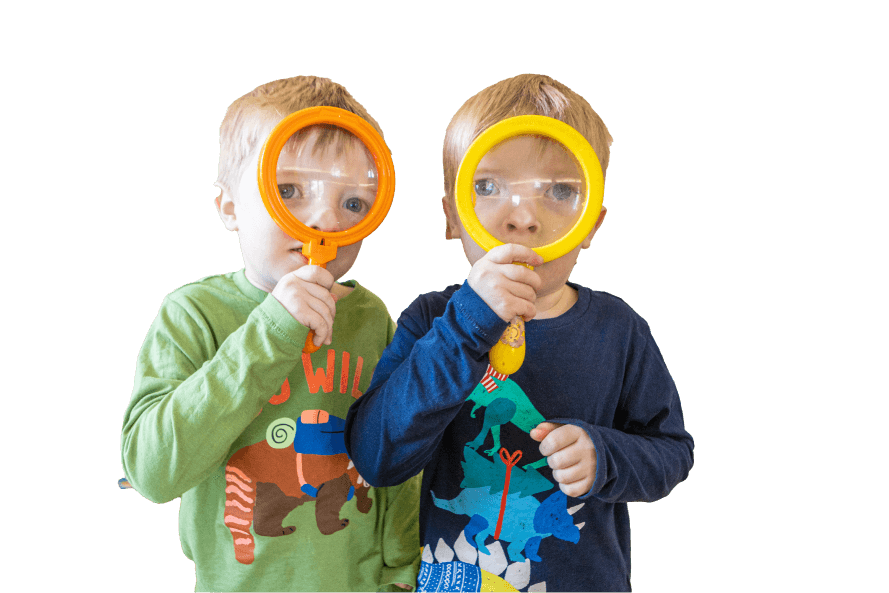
[502,500]
[504,401]
[526,522]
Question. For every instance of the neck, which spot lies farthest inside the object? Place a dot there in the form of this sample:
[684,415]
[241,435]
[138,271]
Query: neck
[340,291]
[556,303]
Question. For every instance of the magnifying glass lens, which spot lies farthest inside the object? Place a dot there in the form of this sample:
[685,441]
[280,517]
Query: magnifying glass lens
[528,190]
[327,178]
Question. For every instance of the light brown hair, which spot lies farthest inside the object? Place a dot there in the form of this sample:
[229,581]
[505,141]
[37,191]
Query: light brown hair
[250,119]
[526,94]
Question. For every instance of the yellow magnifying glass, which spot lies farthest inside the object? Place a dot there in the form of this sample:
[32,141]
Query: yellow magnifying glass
[532,180]
[308,199]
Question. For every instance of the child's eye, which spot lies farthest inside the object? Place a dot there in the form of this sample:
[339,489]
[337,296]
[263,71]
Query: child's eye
[561,192]
[354,205]
[288,190]
[485,187]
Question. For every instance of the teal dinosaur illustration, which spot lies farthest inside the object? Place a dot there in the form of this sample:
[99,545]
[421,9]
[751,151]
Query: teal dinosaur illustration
[480,471]
[505,402]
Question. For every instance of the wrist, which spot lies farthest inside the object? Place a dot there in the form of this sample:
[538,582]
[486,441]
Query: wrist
[478,314]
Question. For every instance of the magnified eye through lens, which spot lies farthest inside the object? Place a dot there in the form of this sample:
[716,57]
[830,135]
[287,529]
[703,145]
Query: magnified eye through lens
[528,190]
[326,178]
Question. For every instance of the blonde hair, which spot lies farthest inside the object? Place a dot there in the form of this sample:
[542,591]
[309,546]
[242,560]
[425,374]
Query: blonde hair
[250,119]
[526,94]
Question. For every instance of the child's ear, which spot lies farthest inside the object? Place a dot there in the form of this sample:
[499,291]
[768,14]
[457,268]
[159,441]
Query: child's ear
[452,230]
[225,205]
[589,238]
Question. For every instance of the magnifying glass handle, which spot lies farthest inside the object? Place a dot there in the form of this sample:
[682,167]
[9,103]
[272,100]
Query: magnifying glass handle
[310,343]
[508,353]
[318,255]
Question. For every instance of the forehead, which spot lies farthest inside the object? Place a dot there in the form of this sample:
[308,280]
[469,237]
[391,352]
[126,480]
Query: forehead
[529,153]
[319,156]
[325,142]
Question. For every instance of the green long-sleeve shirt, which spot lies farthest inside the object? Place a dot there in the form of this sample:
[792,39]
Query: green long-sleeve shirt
[228,413]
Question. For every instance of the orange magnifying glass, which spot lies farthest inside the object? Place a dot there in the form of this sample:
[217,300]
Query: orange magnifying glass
[324,207]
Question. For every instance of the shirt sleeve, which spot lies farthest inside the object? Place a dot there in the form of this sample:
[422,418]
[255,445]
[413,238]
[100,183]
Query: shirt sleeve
[647,451]
[191,400]
[401,535]
[419,386]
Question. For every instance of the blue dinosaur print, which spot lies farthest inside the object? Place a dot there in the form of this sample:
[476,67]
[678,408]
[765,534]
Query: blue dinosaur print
[526,521]
[526,524]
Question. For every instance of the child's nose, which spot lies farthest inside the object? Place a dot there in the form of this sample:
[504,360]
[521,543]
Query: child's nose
[323,217]
[523,217]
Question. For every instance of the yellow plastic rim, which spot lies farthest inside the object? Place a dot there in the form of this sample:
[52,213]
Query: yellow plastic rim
[538,125]
[268,177]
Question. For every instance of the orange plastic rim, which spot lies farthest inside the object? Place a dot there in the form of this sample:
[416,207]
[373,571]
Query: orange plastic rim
[268,177]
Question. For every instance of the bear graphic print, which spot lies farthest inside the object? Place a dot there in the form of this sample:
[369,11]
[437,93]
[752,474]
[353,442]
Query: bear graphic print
[507,504]
[300,461]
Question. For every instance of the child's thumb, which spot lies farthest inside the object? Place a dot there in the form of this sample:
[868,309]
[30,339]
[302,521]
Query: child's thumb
[541,431]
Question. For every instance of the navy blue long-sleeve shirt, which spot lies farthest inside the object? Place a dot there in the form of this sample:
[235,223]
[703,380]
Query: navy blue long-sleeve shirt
[434,406]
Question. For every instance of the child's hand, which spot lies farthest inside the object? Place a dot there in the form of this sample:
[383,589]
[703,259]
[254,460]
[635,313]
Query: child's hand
[509,290]
[571,455]
[305,293]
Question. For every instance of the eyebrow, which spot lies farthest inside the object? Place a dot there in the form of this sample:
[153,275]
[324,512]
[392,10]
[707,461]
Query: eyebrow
[486,171]
[286,179]
[555,175]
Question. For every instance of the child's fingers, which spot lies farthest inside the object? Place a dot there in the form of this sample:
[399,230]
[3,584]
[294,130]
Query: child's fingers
[510,290]
[305,293]
[578,488]
[512,253]
[317,282]
[317,310]
[539,432]
[322,296]
[317,319]
[522,275]
[316,275]
[508,305]
[558,439]
[573,473]
[569,453]
[574,470]
[324,307]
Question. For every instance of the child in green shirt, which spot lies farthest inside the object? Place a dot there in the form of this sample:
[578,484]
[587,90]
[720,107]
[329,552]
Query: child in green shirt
[229,414]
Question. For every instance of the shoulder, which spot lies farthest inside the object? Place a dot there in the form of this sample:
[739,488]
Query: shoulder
[211,287]
[361,296]
[428,306]
[363,311]
[614,307]
[206,299]
[612,313]
[188,319]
